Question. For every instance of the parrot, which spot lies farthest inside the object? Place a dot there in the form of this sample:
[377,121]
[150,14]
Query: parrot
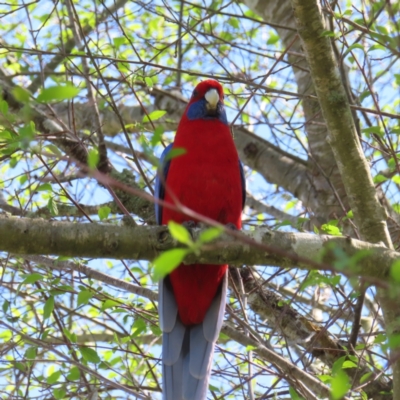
[209,179]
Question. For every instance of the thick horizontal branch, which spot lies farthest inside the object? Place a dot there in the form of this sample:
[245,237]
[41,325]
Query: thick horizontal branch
[258,247]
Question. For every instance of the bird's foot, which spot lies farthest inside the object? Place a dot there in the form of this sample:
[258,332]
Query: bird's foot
[231,226]
[189,224]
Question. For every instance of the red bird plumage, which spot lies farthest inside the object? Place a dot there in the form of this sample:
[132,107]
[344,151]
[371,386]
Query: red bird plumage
[207,179]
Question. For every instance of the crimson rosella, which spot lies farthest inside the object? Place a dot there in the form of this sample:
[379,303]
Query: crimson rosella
[208,178]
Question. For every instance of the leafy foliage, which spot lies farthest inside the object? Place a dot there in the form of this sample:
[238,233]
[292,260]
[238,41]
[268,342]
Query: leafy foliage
[92,88]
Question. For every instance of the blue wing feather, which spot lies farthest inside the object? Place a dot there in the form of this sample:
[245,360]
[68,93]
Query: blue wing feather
[243,180]
[159,191]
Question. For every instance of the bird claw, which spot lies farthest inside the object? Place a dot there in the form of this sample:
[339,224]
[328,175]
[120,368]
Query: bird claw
[231,226]
[189,224]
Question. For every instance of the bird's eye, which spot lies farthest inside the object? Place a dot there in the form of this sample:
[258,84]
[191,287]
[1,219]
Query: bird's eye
[194,94]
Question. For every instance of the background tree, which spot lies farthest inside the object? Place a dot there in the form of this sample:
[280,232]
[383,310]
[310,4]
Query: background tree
[92,91]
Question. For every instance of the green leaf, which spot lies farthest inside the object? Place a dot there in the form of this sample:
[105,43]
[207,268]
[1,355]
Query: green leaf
[353,47]
[180,233]
[59,394]
[214,388]
[210,234]
[339,385]
[30,353]
[349,364]
[58,93]
[20,366]
[70,335]
[294,395]
[234,23]
[176,152]
[331,229]
[6,135]
[350,214]
[44,187]
[379,178]
[364,95]
[104,212]
[83,297]
[93,158]
[119,41]
[109,304]
[138,327]
[167,262]
[6,305]
[394,341]
[395,270]
[53,149]
[54,377]
[52,206]
[90,355]
[324,378]
[377,47]
[380,338]
[149,81]
[74,374]
[157,135]
[327,34]
[365,377]
[396,179]
[154,116]
[21,94]
[48,307]
[373,130]
[3,107]
[32,278]
[273,38]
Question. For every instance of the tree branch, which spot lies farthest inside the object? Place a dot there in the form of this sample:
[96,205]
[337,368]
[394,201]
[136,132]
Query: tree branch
[258,247]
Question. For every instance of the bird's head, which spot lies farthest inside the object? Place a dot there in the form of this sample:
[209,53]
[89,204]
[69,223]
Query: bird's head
[207,102]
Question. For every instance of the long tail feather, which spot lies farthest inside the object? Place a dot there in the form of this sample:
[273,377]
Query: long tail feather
[188,350]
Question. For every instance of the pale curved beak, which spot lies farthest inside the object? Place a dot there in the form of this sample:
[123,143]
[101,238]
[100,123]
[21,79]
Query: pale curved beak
[212,99]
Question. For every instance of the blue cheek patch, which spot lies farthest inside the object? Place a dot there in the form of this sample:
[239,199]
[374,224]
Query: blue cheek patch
[198,110]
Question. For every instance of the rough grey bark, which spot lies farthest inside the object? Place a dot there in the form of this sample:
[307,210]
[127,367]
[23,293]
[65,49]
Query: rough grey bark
[324,174]
[369,215]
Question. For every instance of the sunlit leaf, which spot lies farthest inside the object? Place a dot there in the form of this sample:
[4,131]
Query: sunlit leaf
[104,212]
[93,158]
[32,278]
[21,94]
[154,116]
[74,374]
[58,93]
[83,297]
[89,354]
[175,152]
[59,393]
[340,385]
[179,233]
[167,262]
[52,206]
[210,234]
[30,352]
[54,377]
[48,307]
